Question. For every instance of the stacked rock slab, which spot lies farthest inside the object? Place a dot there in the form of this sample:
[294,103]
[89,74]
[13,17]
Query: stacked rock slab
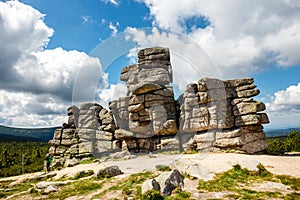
[89,131]
[95,129]
[65,140]
[216,114]
[148,112]
[223,115]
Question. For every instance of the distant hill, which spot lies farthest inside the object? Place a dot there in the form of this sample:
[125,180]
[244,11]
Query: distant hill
[9,138]
[279,132]
[26,134]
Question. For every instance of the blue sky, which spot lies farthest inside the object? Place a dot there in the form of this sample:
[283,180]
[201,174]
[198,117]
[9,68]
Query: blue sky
[58,52]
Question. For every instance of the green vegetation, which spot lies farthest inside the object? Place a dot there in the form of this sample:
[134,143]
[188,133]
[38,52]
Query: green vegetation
[163,168]
[293,182]
[238,179]
[19,157]
[236,182]
[83,174]
[289,144]
[22,187]
[152,195]
[155,195]
[80,187]
[191,151]
[131,186]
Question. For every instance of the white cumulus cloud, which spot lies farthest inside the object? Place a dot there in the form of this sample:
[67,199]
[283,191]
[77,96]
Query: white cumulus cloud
[240,37]
[112,93]
[288,99]
[284,107]
[37,84]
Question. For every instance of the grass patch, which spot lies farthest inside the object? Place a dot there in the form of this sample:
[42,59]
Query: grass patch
[191,151]
[293,182]
[130,186]
[163,168]
[87,160]
[227,181]
[155,195]
[16,189]
[152,195]
[80,187]
[292,196]
[235,179]
[82,174]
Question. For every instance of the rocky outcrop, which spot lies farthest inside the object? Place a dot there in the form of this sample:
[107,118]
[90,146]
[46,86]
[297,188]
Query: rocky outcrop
[210,115]
[148,113]
[223,114]
[89,131]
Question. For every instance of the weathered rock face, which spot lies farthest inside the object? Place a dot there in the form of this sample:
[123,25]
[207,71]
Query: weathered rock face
[165,183]
[89,131]
[211,114]
[222,114]
[148,112]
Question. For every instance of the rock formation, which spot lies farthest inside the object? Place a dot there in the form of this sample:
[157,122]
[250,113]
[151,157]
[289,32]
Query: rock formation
[148,113]
[223,114]
[89,131]
[211,114]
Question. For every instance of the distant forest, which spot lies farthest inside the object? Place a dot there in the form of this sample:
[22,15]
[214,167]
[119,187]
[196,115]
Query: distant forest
[26,134]
[23,150]
[22,157]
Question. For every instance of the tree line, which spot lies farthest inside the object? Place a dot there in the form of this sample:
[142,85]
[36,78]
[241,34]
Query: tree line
[22,157]
[291,143]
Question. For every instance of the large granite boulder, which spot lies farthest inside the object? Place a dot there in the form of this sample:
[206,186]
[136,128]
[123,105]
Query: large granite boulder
[222,115]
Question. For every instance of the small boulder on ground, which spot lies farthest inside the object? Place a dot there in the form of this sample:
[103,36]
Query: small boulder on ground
[165,183]
[109,172]
[49,189]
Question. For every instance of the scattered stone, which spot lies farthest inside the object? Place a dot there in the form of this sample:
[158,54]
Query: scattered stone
[45,176]
[109,172]
[71,162]
[44,184]
[166,182]
[49,189]
[124,155]
[269,186]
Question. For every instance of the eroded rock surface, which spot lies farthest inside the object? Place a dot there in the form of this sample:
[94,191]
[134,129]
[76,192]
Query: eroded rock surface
[148,113]
[223,115]
[210,115]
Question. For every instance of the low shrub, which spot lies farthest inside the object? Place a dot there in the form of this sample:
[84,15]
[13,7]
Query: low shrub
[152,195]
[290,144]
